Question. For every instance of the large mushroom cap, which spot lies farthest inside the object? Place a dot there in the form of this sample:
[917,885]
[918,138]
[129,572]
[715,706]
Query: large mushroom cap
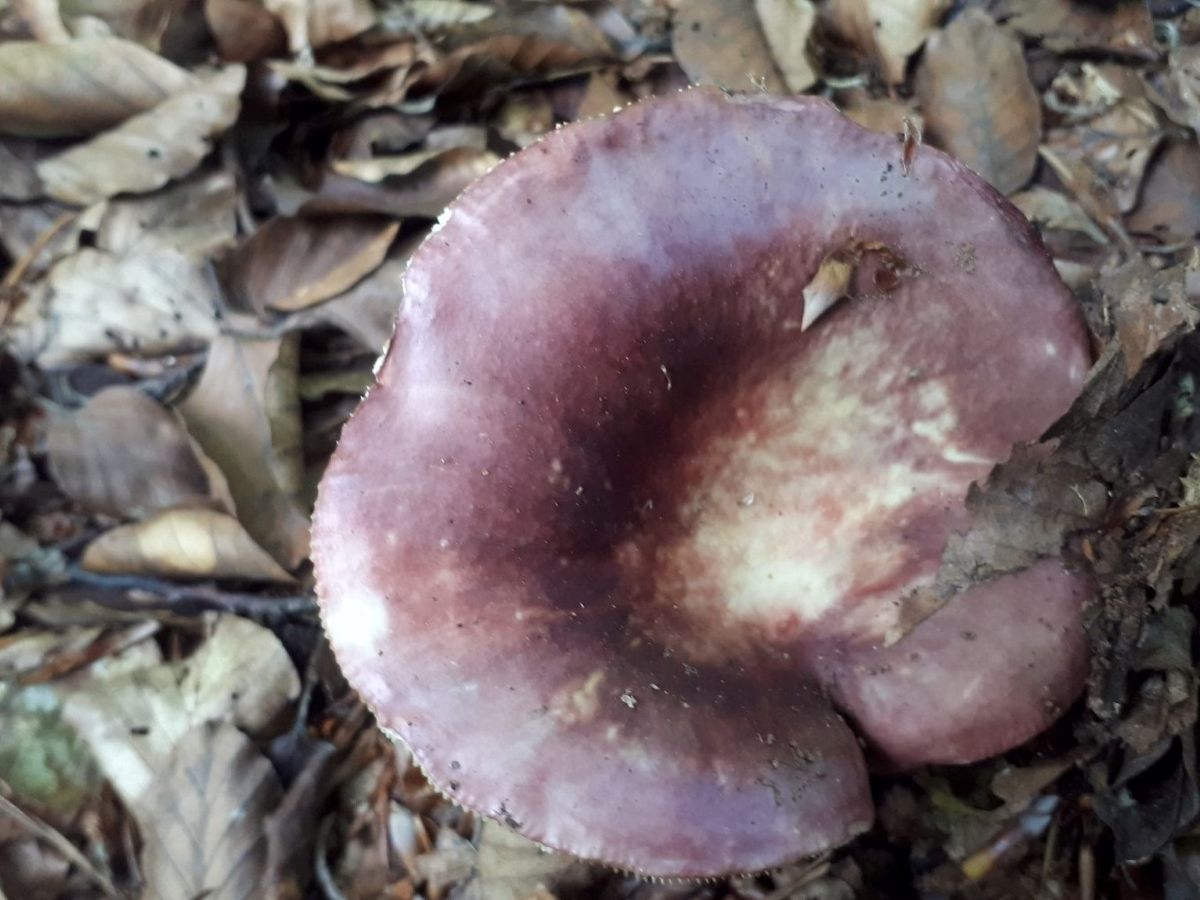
[620,524]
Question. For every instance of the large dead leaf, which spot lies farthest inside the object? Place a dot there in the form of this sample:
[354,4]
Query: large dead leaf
[1176,89]
[183,543]
[721,42]
[787,25]
[245,414]
[1049,210]
[1061,25]
[93,302]
[18,170]
[124,454]
[886,31]
[82,86]
[150,149]
[978,101]
[134,720]
[204,822]
[1149,307]
[292,263]
[195,217]
[510,867]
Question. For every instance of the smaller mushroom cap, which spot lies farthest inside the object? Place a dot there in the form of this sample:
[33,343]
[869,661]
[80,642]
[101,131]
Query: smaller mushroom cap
[681,407]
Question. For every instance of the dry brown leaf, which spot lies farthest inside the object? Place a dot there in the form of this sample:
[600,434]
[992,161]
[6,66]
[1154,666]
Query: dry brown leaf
[244,30]
[1063,25]
[195,217]
[1149,307]
[203,826]
[92,302]
[886,31]
[425,191]
[292,263]
[978,101]
[82,86]
[244,412]
[1169,204]
[135,718]
[721,42]
[150,149]
[787,25]
[1050,209]
[367,312]
[1110,152]
[1176,89]
[878,113]
[312,24]
[510,867]
[125,455]
[183,543]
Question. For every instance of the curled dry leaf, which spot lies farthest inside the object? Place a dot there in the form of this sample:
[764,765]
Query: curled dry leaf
[1169,205]
[294,262]
[721,42]
[244,412]
[81,86]
[134,720]
[1063,25]
[886,31]
[879,113]
[978,101]
[124,454]
[312,24]
[1149,307]
[367,312]
[1177,88]
[1050,209]
[424,191]
[244,30]
[149,150]
[92,302]
[787,25]
[203,824]
[183,543]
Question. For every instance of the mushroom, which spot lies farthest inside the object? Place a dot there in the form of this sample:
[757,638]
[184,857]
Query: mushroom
[682,407]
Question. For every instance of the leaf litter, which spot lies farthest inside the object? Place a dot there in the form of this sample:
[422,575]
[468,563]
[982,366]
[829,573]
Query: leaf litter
[205,213]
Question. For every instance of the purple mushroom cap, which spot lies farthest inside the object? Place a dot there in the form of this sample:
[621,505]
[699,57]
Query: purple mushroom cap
[620,541]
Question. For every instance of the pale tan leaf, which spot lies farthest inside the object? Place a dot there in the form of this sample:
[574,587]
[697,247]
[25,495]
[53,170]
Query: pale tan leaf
[312,24]
[124,454]
[149,150]
[1050,209]
[94,302]
[787,25]
[204,827]
[887,32]
[134,719]
[195,217]
[721,42]
[511,867]
[1075,25]
[421,16]
[183,543]
[978,101]
[244,412]
[42,19]
[1169,205]
[18,169]
[244,30]
[292,263]
[81,86]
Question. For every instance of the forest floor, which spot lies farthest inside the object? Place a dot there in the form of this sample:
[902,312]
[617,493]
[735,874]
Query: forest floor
[205,209]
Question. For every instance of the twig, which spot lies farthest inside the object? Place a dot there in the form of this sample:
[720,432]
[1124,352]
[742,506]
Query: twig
[59,842]
[193,599]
